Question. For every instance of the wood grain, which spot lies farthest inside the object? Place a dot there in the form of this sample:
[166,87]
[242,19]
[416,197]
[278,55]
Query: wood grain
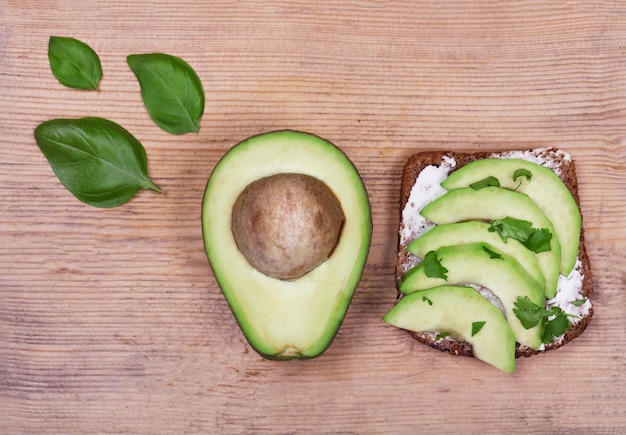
[111,320]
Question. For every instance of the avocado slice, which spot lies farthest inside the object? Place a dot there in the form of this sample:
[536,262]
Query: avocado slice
[473,264]
[543,186]
[461,233]
[465,315]
[287,319]
[492,203]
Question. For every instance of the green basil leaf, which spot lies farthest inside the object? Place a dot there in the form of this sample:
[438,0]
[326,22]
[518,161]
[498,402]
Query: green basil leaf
[490,181]
[171,91]
[74,63]
[97,160]
[477,326]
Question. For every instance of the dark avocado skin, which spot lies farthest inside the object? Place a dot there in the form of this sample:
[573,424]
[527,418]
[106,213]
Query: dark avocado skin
[280,327]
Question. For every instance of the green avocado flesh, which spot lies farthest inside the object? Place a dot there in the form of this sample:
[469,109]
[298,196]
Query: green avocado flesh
[474,232]
[287,319]
[544,187]
[457,310]
[472,264]
[490,203]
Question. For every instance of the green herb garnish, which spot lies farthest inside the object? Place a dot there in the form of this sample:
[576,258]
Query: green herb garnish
[433,267]
[74,63]
[442,335]
[557,326]
[554,320]
[579,302]
[477,326]
[529,313]
[171,91]
[425,299]
[511,227]
[492,254]
[522,173]
[490,181]
[537,240]
[97,160]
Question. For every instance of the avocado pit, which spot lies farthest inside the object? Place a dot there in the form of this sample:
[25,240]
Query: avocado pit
[287,224]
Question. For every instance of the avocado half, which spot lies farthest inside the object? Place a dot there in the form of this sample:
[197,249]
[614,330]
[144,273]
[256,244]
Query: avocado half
[284,319]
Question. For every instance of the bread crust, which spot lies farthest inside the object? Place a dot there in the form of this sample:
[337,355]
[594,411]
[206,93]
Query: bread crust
[566,171]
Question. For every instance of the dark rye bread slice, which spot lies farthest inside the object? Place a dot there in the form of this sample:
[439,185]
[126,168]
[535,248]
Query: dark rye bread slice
[566,170]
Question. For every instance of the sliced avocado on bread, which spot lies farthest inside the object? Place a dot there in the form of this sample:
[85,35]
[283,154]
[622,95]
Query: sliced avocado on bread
[479,264]
[495,203]
[506,225]
[542,185]
[462,313]
[475,232]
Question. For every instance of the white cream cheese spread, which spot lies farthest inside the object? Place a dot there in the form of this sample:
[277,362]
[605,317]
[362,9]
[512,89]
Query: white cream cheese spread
[426,189]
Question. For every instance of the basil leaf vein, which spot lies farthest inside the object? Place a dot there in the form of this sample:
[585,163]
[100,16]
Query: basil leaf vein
[171,91]
[97,160]
[73,63]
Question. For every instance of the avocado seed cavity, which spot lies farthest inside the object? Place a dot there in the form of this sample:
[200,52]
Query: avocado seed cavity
[287,224]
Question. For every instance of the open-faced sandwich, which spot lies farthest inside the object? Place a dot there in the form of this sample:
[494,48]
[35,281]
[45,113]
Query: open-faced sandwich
[491,257]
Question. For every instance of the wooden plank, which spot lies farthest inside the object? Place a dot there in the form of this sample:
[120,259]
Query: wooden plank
[111,320]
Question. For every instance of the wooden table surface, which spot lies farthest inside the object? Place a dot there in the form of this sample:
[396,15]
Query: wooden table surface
[111,320]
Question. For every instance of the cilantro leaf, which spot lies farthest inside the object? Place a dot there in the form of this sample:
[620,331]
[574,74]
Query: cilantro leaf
[537,240]
[555,327]
[490,181]
[492,254]
[433,267]
[511,227]
[442,335]
[425,299]
[477,326]
[522,173]
[529,313]
[579,302]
